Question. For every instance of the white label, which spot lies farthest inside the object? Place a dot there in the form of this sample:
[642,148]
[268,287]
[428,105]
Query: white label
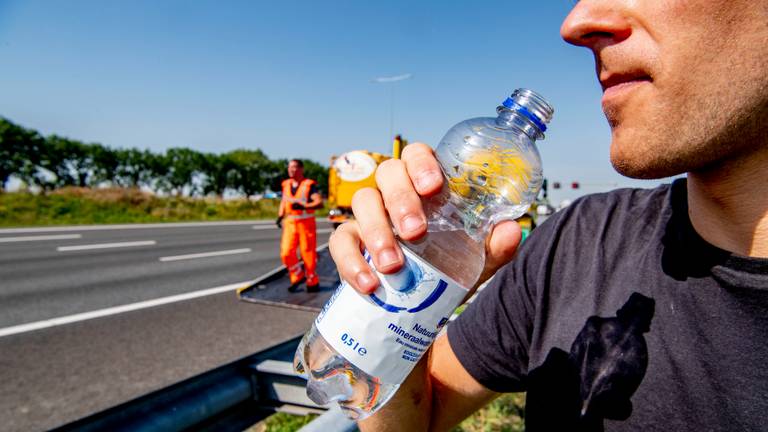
[387,332]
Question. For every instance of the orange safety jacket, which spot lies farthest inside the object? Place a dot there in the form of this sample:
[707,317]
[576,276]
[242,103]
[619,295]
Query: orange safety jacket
[301,196]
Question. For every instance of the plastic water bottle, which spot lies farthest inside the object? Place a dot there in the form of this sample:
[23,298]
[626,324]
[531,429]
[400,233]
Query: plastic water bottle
[362,347]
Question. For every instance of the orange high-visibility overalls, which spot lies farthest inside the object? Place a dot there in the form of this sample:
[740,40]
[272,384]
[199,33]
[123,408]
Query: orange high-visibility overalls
[299,229]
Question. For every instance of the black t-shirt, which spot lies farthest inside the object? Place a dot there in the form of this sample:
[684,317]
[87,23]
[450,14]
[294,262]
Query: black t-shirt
[616,315]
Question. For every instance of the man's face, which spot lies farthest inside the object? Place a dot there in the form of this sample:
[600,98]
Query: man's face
[294,170]
[685,81]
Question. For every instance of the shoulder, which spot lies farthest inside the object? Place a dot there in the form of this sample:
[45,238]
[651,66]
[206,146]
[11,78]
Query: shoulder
[621,201]
[598,228]
[311,185]
[621,209]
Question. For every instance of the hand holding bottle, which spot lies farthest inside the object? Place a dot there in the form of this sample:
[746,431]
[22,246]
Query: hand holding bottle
[398,204]
[400,289]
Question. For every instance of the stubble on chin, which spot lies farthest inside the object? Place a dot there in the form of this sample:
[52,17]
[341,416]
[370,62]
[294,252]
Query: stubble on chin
[644,151]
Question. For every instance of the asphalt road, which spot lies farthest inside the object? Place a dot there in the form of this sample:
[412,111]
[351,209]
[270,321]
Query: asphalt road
[81,326]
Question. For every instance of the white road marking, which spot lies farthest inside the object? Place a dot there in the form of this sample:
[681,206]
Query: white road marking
[40,238]
[138,226]
[263,227]
[105,245]
[320,231]
[205,255]
[53,322]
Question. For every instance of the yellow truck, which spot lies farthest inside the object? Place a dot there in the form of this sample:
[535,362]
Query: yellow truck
[351,172]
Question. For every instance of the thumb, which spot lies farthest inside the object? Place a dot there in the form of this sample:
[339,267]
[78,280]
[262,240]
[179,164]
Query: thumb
[501,246]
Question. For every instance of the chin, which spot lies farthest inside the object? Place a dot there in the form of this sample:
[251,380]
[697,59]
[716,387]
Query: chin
[641,171]
[639,160]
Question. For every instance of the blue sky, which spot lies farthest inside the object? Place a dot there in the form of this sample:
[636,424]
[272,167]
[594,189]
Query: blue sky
[294,78]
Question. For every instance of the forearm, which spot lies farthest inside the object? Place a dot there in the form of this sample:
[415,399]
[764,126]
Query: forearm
[436,396]
[409,409]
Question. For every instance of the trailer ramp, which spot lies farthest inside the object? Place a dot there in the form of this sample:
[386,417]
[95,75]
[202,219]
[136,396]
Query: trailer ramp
[272,288]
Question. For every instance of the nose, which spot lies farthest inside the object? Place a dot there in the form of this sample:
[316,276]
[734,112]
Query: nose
[596,23]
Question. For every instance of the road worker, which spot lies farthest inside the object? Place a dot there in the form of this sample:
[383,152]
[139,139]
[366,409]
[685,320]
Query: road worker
[297,219]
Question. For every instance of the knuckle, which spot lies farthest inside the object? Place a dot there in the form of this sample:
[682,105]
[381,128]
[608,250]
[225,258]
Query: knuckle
[345,232]
[378,237]
[389,167]
[390,164]
[363,195]
[344,228]
[415,149]
[424,160]
[399,200]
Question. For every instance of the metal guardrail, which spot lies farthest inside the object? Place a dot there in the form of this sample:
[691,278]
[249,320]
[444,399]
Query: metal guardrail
[231,397]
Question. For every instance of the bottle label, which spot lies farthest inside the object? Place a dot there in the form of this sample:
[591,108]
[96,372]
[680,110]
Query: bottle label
[386,333]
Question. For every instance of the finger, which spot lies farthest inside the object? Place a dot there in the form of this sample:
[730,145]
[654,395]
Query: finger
[401,200]
[375,230]
[501,246]
[423,168]
[344,246]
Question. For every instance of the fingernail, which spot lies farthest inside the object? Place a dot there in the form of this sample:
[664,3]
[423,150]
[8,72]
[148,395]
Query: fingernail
[412,223]
[427,180]
[388,257]
[365,281]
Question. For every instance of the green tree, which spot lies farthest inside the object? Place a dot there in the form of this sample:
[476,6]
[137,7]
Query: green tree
[105,164]
[70,161]
[183,166]
[135,168]
[19,151]
[253,171]
[57,161]
[278,171]
[220,172]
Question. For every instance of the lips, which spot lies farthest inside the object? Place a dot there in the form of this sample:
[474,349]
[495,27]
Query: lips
[615,80]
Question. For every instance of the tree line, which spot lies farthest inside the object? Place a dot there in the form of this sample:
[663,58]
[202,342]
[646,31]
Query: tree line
[50,162]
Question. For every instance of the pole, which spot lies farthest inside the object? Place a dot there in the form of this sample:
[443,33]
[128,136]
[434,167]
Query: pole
[390,81]
[391,110]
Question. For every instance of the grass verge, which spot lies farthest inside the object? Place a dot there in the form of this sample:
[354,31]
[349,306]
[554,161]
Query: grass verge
[504,414]
[81,206]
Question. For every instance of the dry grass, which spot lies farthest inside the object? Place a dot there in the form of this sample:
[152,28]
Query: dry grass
[75,206]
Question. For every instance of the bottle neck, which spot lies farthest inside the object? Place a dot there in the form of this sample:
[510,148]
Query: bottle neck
[513,119]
